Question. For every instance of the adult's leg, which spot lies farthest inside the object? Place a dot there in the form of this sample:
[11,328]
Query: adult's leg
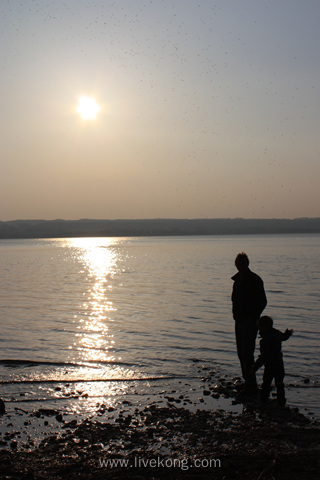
[240,341]
[246,334]
[249,347]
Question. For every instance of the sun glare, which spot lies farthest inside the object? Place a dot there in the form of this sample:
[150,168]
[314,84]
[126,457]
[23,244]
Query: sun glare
[88,108]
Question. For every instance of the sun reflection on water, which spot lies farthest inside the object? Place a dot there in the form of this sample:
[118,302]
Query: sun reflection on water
[98,375]
[95,339]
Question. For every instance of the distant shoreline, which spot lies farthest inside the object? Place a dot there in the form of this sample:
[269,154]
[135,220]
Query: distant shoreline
[24,229]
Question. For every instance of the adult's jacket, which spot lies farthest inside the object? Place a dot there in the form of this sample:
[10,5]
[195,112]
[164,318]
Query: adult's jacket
[248,296]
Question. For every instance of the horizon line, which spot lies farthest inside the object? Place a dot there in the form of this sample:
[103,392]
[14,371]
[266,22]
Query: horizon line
[154,218]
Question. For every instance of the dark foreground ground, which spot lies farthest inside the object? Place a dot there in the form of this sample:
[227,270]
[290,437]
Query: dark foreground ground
[168,442]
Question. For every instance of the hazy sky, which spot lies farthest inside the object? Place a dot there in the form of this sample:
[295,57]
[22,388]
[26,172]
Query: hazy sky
[207,109]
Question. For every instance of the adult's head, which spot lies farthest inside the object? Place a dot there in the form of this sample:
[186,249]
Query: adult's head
[242,262]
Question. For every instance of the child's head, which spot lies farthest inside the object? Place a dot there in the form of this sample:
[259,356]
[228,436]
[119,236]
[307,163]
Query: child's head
[264,324]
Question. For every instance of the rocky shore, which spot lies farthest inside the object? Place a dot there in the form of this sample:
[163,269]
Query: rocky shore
[169,440]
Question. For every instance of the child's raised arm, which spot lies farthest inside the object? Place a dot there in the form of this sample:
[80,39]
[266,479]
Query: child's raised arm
[287,334]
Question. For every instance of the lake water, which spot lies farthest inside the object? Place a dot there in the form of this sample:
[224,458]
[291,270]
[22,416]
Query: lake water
[137,312]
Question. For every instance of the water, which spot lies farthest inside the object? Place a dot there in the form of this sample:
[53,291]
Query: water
[103,318]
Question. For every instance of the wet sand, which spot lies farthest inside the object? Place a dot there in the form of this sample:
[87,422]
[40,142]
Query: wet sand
[169,438]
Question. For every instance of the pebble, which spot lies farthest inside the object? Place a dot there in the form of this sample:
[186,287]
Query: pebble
[215,395]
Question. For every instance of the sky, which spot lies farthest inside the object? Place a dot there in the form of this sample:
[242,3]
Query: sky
[205,109]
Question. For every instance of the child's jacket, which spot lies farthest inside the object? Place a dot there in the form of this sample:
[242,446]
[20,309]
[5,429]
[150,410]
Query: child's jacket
[270,348]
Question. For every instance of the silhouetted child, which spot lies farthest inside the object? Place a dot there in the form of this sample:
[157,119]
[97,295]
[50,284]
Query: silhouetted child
[271,357]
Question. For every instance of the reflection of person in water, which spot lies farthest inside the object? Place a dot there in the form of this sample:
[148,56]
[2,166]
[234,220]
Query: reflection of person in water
[271,357]
[248,302]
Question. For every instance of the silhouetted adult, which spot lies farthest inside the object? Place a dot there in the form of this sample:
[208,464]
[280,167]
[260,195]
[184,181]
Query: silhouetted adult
[248,302]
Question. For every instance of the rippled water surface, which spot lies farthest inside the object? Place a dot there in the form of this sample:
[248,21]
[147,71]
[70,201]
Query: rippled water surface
[117,314]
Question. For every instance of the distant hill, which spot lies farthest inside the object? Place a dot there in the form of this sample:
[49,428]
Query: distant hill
[156,227]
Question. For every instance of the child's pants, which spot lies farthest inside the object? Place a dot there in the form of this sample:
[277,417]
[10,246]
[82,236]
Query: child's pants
[273,371]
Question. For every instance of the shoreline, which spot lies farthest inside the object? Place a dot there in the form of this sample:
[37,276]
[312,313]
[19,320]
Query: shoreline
[168,437]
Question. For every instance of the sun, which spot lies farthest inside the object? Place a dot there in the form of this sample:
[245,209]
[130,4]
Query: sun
[88,108]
